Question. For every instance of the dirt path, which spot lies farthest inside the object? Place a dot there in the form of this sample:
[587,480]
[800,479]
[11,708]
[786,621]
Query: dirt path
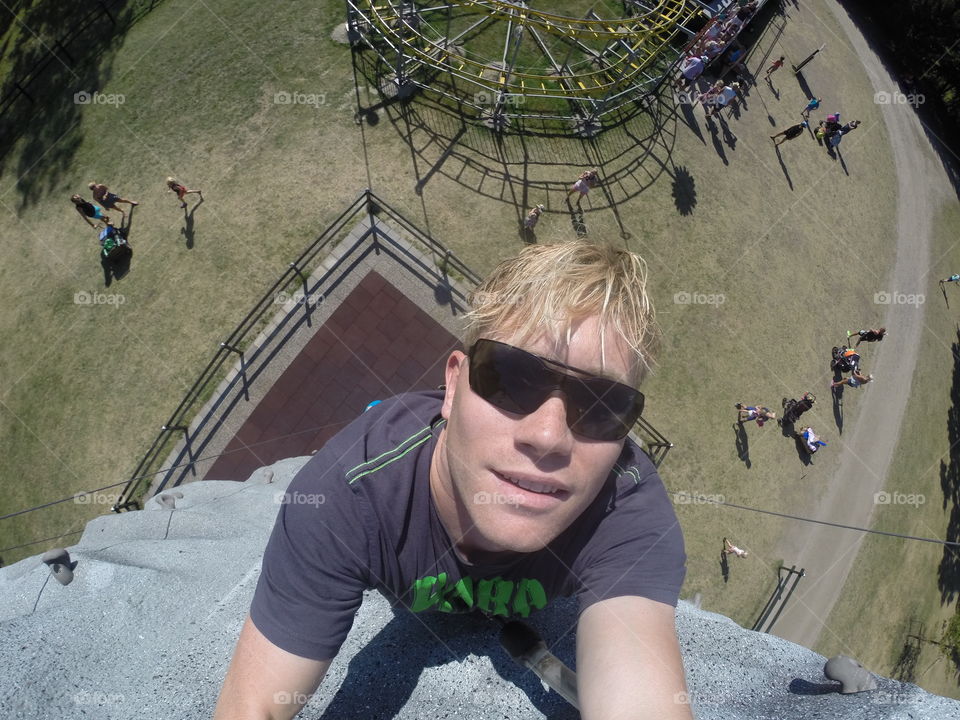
[867,446]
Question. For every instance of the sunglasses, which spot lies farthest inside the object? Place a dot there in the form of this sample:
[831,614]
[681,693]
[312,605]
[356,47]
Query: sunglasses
[520,382]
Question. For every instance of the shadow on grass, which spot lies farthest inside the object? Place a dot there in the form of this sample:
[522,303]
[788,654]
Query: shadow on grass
[40,131]
[948,574]
[187,230]
[742,443]
[684,190]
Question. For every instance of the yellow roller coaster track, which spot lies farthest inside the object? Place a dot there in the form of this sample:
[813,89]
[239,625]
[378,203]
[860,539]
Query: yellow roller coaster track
[641,37]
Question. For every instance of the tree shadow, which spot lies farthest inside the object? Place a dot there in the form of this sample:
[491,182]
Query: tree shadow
[684,190]
[948,574]
[51,76]
[742,443]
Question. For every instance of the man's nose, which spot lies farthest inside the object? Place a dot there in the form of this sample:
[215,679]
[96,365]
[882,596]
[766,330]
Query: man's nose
[545,431]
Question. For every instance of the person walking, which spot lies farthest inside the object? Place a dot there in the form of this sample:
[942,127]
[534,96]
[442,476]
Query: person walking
[587,180]
[533,217]
[812,105]
[855,380]
[794,131]
[88,210]
[730,549]
[109,200]
[181,190]
[810,439]
[753,412]
[774,66]
[870,335]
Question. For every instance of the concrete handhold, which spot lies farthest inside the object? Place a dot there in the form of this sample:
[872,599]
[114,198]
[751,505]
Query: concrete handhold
[268,476]
[851,675]
[169,500]
[59,561]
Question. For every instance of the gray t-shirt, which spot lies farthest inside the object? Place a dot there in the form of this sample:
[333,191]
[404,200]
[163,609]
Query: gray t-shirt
[359,516]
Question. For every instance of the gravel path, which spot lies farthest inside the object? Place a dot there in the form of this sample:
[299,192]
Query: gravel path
[867,446]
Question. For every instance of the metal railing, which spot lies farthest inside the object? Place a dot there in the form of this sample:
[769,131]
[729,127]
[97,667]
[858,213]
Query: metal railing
[194,434]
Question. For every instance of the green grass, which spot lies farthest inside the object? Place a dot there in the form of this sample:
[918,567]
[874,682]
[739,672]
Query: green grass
[85,389]
[894,579]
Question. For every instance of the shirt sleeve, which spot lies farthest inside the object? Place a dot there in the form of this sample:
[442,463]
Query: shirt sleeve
[316,565]
[637,548]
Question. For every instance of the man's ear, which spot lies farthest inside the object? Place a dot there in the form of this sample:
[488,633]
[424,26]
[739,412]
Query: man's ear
[455,363]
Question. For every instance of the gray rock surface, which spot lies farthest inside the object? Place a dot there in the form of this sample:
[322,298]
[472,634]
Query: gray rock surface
[147,627]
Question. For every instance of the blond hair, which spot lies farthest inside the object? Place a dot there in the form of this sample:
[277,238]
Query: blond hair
[548,288]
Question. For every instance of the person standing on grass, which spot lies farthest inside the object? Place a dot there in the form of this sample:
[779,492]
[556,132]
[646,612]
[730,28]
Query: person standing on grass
[730,549]
[533,217]
[855,380]
[109,200]
[587,180]
[810,439]
[812,105]
[774,66]
[752,412]
[181,190]
[794,131]
[88,210]
[869,335]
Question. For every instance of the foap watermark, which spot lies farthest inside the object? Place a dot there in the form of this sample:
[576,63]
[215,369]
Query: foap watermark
[492,98]
[685,97]
[298,298]
[488,498]
[314,100]
[98,98]
[86,697]
[94,298]
[290,698]
[687,498]
[899,498]
[881,697]
[898,98]
[898,298]
[96,498]
[299,498]
[496,298]
[698,298]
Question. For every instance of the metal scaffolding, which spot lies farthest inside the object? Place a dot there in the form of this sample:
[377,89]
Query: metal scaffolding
[506,63]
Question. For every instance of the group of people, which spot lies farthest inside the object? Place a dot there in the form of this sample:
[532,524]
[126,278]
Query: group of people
[105,200]
[830,131]
[587,180]
[845,359]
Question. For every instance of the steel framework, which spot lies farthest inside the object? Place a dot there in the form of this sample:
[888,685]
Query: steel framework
[509,63]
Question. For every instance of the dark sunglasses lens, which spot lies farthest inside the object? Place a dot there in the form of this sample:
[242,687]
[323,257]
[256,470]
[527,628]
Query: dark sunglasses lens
[508,378]
[517,381]
[602,409]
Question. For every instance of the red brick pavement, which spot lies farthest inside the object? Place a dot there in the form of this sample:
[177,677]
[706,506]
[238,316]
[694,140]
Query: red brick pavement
[375,345]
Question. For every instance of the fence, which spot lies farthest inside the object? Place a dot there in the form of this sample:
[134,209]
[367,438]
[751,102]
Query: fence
[186,444]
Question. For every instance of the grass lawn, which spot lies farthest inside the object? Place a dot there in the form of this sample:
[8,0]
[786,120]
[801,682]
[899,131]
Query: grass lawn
[896,584]
[750,256]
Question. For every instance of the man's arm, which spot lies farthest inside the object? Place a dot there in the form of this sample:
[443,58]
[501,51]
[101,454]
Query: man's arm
[265,682]
[628,662]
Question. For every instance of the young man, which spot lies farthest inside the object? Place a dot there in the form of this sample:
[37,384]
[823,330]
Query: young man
[790,133]
[513,486]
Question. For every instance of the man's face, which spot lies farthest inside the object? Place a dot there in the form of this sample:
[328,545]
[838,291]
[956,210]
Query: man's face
[487,455]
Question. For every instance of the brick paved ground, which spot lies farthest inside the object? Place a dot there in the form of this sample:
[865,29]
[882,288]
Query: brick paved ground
[376,344]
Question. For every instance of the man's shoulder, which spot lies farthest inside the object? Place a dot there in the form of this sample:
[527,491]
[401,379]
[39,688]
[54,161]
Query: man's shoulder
[633,469]
[385,437]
